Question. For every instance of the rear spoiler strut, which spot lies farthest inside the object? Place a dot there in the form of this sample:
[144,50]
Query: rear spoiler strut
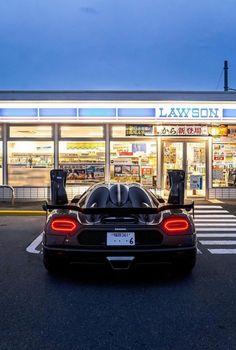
[119,211]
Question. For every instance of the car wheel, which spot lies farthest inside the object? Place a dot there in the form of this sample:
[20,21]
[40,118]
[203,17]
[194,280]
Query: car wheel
[185,265]
[54,265]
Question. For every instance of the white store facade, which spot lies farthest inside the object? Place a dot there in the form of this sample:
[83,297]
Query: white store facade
[124,136]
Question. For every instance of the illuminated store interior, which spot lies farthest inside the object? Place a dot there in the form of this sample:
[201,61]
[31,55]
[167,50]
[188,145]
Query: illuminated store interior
[119,141]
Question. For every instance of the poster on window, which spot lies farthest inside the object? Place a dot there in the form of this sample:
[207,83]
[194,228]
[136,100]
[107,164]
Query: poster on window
[146,176]
[146,171]
[139,147]
[170,155]
[196,182]
[124,170]
[85,172]
[181,130]
[138,130]
[80,172]
[99,172]
[218,174]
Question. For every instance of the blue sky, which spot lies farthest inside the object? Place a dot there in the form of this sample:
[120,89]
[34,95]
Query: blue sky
[117,44]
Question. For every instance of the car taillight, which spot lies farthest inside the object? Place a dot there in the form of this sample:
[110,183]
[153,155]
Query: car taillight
[175,225]
[66,225]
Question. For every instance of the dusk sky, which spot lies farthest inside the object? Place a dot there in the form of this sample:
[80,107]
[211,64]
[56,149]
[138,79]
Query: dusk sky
[117,44]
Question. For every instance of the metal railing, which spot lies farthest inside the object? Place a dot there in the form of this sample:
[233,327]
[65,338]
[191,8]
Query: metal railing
[8,188]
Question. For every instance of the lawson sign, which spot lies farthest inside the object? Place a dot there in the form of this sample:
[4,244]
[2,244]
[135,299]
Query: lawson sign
[184,113]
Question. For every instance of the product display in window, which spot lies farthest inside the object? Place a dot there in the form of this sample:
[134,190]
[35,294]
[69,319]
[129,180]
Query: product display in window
[133,162]
[84,172]
[29,162]
[84,161]
[224,164]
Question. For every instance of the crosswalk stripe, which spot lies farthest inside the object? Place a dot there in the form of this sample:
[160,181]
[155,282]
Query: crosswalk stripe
[215,229]
[214,216]
[222,251]
[214,235]
[215,224]
[218,242]
[208,206]
[215,220]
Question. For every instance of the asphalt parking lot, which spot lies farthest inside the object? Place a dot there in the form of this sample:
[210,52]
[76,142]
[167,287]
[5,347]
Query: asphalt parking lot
[102,310]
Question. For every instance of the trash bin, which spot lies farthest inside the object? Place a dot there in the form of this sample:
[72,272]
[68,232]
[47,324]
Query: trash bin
[176,180]
[232,178]
[58,186]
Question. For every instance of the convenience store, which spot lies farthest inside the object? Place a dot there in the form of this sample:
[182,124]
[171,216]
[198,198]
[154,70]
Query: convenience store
[125,136]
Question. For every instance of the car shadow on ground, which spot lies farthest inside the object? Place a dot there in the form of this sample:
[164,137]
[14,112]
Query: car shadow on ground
[100,276]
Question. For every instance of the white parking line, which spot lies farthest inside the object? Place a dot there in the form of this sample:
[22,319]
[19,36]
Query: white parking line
[32,247]
[222,251]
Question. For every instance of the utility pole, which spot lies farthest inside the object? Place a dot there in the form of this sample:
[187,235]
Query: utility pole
[226,87]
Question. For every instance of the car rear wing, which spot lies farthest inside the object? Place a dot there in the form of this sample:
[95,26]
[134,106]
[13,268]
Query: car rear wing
[119,211]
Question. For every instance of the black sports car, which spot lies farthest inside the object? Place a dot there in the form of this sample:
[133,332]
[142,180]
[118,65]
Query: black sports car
[121,225]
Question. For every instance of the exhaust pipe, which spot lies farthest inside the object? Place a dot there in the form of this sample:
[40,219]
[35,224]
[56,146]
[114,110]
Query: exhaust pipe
[120,262]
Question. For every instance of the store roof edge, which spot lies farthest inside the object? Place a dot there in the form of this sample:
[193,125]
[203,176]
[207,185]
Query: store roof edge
[113,95]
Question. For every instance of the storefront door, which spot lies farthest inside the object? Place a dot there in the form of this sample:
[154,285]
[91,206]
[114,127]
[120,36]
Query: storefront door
[189,156]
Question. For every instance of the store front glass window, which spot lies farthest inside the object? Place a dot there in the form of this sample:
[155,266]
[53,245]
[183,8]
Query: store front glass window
[0,162]
[224,165]
[82,131]
[172,159]
[39,131]
[224,159]
[129,130]
[0,156]
[29,163]
[134,161]
[85,161]
[190,157]
[196,169]
[118,131]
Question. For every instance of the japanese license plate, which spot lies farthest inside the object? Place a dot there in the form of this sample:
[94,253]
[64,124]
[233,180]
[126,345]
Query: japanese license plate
[120,238]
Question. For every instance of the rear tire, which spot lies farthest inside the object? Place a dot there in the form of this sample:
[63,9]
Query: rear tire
[185,265]
[53,264]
